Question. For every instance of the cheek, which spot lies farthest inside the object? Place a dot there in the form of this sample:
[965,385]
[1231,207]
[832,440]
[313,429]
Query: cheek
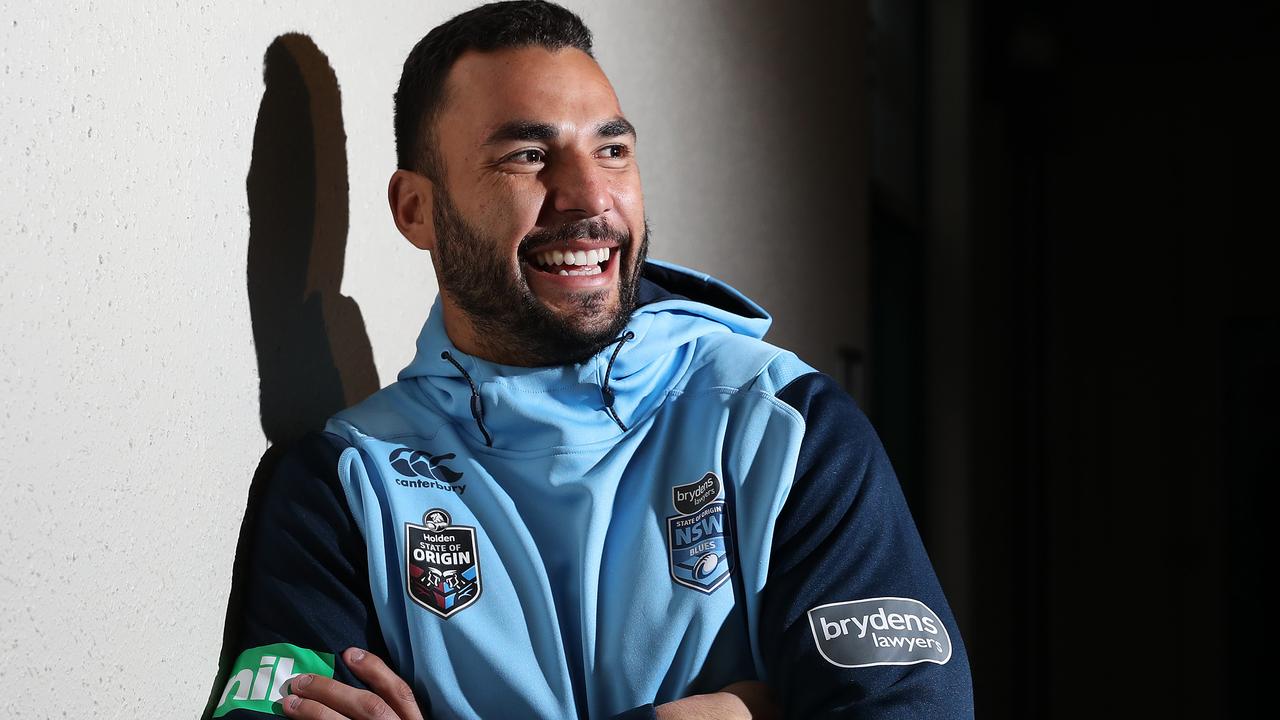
[629,198]
[510,211]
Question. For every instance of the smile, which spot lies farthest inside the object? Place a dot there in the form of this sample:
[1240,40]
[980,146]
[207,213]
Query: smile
[571,262]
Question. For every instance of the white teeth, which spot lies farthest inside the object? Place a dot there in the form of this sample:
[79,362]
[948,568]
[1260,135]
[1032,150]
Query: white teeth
[587,259]
[564,272]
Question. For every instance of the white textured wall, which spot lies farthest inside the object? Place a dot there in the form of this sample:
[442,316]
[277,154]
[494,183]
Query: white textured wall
[127,362]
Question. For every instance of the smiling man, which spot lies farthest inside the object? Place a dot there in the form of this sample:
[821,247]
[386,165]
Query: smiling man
[535,218]
[596,491]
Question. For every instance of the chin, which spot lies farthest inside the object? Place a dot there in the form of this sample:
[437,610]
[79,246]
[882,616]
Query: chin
[592,329]
[579,304]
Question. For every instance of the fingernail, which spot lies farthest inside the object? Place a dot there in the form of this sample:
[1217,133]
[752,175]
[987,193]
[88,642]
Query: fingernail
[292,702]
[301,681]
[357,655]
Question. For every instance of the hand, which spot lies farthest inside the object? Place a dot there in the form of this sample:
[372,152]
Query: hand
[319,698]
[757,697]
[740,700]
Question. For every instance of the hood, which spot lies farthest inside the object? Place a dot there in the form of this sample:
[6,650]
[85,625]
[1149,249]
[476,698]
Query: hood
[528,409]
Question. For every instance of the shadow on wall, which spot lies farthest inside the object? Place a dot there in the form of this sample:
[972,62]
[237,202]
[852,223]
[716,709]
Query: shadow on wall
[314,356]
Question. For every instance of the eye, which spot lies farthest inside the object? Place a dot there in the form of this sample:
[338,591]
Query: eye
[528,156]
[614,155]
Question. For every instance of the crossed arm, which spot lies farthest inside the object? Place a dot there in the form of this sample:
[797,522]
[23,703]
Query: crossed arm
[844,536]
[389,697]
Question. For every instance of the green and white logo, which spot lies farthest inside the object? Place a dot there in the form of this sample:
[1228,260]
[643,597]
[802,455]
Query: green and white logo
[259,675]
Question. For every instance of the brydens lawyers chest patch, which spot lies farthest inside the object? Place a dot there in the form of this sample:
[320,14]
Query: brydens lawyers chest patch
[442,564]
[699,538]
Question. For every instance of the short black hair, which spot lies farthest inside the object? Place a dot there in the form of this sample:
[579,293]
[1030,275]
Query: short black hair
[496,26]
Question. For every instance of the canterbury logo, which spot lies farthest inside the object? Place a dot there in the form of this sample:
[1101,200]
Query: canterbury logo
[420,463]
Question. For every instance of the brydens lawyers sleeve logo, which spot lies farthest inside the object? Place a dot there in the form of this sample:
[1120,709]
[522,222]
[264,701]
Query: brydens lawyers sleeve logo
[442,564]
[879,631]
[699,538]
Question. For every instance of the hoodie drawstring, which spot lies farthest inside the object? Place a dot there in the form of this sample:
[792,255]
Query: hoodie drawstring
[604,389]
[477,406]
[477,409]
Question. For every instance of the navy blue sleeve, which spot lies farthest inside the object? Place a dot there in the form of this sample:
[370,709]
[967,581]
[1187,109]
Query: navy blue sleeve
[303,583]
[853,622]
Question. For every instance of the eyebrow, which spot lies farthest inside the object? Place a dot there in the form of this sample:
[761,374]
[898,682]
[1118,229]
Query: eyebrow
[617,127]
[524,130]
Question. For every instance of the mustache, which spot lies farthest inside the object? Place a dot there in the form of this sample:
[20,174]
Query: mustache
[590,229]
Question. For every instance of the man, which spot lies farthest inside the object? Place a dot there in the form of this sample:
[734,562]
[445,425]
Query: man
[595,492]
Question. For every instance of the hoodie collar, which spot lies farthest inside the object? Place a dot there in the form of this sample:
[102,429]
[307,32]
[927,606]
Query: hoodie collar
[531,409]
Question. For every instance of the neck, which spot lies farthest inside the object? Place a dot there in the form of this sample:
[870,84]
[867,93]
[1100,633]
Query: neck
[466,337]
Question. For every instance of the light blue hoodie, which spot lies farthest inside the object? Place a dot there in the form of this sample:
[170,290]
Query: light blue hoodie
[690,507]
[578,611]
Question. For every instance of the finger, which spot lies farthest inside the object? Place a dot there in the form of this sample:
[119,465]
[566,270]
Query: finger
[383,681]
[340,698]
[305,709]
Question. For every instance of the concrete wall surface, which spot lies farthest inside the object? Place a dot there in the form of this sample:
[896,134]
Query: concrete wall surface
[174,220]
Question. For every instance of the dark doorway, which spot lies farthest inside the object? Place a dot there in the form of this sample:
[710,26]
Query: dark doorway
[1118,347]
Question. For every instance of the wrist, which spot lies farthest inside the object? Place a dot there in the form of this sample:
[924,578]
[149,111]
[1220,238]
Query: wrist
[711,706]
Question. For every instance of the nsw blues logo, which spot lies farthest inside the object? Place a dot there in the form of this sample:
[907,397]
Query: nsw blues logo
[442,564]
[700,539]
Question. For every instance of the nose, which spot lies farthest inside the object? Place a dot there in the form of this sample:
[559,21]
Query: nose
[579,187]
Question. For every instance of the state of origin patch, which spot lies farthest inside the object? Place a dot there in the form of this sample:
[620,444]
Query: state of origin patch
[699,538]
[442,564]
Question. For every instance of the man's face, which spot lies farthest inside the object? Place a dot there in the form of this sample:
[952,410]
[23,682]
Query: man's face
[539,215]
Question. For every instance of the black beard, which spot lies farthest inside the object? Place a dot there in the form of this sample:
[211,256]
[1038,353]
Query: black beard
[512,326]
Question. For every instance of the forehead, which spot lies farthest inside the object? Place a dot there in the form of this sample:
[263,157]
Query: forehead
[562,87]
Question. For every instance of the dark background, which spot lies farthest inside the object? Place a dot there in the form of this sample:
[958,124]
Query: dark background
[1075,344]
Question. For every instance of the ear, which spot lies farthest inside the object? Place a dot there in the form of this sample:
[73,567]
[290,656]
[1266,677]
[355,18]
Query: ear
[411,200]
